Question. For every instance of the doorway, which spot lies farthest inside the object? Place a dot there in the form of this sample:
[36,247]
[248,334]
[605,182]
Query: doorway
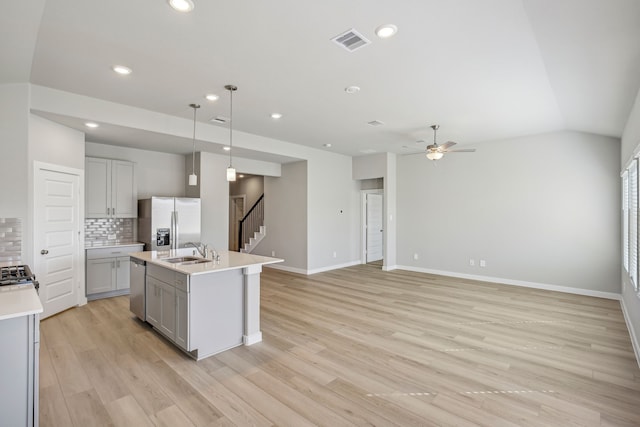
[236,213]
[372,226]
[57,201]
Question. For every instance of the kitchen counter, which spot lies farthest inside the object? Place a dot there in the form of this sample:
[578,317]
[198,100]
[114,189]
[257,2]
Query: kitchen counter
[202,308]
[16,301]
[100,245]
[229,260]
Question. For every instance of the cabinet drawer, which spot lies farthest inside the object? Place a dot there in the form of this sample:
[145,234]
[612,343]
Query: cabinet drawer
[181,282]
[178,280]
[160,273]
[114,251]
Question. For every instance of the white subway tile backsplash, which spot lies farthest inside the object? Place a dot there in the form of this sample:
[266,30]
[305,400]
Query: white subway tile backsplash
[10,239]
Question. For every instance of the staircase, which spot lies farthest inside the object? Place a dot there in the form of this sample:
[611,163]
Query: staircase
[253,241]
[252,229]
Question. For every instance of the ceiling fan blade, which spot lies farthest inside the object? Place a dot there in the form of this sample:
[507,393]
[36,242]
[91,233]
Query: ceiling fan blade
[462,150]
[448,144]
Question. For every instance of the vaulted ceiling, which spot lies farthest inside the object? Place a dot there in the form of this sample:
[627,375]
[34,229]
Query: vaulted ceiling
[483,70]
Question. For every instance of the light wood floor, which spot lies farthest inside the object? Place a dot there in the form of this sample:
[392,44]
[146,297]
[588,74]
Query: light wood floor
[356,346]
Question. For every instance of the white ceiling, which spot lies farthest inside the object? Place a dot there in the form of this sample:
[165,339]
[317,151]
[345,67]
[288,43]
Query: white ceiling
[483,70]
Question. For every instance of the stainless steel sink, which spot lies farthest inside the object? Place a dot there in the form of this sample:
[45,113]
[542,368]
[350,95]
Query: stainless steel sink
[186,260]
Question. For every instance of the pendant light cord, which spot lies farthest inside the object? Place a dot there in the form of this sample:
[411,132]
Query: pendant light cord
[230,127]
[193,154]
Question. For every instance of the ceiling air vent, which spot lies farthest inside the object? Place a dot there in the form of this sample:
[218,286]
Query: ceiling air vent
[350,40]
[220,119]
[375,123]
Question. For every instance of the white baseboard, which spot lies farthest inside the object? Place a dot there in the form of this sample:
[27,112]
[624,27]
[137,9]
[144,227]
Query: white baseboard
[286,268]
[252,339]
[565,289]
[315,270]
[332,267]
[632,333]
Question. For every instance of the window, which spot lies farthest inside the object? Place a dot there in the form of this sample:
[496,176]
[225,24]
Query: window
[633,222]
[625,220]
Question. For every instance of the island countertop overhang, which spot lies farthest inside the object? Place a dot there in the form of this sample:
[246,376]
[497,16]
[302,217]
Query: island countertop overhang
[229,260]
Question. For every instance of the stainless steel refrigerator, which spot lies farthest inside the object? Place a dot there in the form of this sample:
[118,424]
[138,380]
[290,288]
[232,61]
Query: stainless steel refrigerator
[168,222]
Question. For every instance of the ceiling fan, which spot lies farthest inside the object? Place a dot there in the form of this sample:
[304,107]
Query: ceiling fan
[436,152]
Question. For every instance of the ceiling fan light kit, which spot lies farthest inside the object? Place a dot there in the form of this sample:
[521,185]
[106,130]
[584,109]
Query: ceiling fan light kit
[436,152]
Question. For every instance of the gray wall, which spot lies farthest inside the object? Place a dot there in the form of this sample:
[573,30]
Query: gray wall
[286,216]
[331,192]
[251,186]
[541,209]
[630,300]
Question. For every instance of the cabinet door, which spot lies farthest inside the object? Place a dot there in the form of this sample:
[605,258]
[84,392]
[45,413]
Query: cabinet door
[124,191]
[182,319]
[154,308]
[168,310]
[97,188]
[122,272]
[100,275]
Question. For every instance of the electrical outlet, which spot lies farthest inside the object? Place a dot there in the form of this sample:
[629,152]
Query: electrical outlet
[335,254]
[472,262]
[415,256]
[111,237]
[273,253]
[483,263]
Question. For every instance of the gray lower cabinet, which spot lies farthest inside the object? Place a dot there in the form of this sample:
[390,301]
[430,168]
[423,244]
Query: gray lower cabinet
[107,272]
[167,304]
[19,361]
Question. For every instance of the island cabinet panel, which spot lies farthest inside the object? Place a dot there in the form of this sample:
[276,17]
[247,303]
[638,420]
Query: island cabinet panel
[182,319]
[153,303]
[216,312]
[167,303]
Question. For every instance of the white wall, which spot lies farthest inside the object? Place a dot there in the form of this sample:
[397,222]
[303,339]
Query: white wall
[542,209]
[285,212]
[158,174]
[214,196]
[630,299]
[14,126]
[331,191]
[14,179]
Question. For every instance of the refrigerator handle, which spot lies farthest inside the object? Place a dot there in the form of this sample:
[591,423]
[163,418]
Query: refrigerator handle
[175,226]
[172,235]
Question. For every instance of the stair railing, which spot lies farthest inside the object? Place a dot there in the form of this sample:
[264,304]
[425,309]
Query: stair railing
[251,222]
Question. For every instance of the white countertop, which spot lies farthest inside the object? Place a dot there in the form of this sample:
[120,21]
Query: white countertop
[229,260]
[16,301]
[101,245]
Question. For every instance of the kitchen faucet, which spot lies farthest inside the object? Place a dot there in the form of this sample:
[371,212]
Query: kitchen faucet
[203,250]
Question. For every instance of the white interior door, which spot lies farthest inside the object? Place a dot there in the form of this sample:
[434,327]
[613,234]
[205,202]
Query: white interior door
[374,227]
[56,237]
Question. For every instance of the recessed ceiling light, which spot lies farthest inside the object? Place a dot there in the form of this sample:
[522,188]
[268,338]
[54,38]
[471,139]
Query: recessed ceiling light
[240,176]
[276,116]
[91,125]
[121,69]
[212,97]
[226,148]
[326,145]
[386,31]
[352,89]
[182,5]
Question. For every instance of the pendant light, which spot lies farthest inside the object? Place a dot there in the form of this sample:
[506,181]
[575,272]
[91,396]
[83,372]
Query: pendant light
[231,172]
[193,178]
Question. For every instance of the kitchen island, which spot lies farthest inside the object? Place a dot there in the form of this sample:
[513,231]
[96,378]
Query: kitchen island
[202,305]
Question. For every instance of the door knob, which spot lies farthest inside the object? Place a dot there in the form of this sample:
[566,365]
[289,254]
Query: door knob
[44,252]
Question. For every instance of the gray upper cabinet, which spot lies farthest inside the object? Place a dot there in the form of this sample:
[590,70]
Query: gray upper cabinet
[110,188]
